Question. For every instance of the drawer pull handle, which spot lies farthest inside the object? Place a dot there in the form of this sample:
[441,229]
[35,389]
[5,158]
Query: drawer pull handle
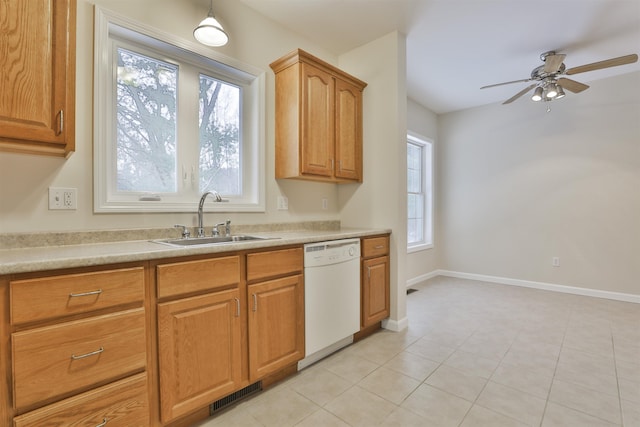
[103,423]
[82,356]
[379,246]
[85,294]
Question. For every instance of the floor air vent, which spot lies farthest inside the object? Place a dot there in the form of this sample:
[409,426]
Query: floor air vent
[219,405]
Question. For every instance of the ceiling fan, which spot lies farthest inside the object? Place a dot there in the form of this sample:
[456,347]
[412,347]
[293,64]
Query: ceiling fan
[549,83]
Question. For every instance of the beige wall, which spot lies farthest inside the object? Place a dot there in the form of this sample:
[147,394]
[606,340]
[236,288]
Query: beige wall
[24,179]
[424,122]
[518,186]
[381,201]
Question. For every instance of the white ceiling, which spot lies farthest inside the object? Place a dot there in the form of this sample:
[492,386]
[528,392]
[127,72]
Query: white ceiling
[456,46]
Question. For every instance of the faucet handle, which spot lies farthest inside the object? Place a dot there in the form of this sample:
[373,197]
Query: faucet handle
[227,227]
[185,231]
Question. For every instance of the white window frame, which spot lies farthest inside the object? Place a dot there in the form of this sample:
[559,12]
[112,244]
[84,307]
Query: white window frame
[427,174]
[112,30]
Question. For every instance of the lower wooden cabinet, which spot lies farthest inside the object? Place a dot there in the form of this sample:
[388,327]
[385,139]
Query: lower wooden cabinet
[124,403]
[276,325]
[58,360]
[76,345]
[375,280]
[199,351]
[154,344]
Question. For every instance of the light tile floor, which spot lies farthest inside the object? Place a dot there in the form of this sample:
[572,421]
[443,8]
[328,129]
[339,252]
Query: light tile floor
[475,354]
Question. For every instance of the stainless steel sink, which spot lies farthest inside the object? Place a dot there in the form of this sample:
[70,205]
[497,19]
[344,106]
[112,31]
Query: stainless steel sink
[215,240]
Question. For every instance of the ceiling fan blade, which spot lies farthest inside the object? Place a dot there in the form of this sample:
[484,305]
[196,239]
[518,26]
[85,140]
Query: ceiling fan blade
[519,94]
[572,85]
[552,63]
[613,62]
[506,83]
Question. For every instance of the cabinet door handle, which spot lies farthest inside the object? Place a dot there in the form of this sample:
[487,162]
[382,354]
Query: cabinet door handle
[82,356]
[237,307]
[60,122]
[103,423]
[369,272]
[85,294]
[255,302]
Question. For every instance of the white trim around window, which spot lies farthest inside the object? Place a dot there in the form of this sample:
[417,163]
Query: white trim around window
[420,186]
[113,31]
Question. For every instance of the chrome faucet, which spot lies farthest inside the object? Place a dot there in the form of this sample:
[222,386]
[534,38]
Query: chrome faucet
[217,197]
[227,228]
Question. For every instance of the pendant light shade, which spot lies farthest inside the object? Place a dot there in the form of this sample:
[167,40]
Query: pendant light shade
[537,94]
[551,91]
[210,31]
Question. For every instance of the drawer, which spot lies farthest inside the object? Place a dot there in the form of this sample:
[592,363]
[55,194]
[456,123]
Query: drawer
[262,265]
[52,361]
[375,246]
[123,403]
[52,297]
[195,276]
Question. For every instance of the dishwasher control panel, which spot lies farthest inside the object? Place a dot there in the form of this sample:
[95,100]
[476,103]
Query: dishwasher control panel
[331,252]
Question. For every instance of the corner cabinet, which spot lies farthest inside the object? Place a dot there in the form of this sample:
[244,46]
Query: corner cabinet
[375,280]
[318,120]
[37,107]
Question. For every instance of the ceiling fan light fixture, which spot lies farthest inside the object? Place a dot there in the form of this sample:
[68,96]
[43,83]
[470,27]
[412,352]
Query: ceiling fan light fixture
[551,91]
[537,94]
[210,31]
[561,93]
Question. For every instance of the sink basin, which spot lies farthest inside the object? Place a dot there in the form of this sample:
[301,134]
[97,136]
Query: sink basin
[215,240]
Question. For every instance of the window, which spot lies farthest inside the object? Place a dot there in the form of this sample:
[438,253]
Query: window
[419,193]
[171,121]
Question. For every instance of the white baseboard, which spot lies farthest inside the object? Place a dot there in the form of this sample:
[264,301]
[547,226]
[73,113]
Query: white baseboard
[422,278]
[395,325]
[618,296]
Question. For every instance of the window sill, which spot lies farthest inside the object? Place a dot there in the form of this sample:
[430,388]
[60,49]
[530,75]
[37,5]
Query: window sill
[419,248]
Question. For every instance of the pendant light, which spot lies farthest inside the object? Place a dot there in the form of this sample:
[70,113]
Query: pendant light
[210,31]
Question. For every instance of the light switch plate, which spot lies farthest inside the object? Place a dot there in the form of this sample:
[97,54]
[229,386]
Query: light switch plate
[63,198]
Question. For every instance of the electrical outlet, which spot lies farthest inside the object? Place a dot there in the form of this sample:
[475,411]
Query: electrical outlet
[555,261]
[283,203]
[63,198]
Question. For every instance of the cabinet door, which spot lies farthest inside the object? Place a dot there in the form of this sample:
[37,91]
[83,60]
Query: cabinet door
[199,342]
[375,290]
[348,132]
[276,325]
[318,122]
[37,106]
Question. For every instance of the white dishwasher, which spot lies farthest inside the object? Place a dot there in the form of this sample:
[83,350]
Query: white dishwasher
[331,297]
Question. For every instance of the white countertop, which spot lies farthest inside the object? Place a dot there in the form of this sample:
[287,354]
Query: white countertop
[26,260]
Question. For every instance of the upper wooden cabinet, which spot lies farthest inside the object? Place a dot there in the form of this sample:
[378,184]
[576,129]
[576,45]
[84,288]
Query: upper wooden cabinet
[318,120]
[37,106]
